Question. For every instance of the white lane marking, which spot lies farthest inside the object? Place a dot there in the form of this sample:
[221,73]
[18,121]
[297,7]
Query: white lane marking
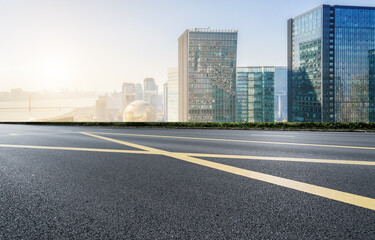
[270,135]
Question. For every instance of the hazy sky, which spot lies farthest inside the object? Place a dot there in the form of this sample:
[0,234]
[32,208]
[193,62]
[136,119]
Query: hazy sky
[97,45]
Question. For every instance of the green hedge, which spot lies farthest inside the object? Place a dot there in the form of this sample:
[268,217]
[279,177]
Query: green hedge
[219,125]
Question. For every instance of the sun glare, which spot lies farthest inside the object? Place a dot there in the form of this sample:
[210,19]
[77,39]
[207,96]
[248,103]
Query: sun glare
[52,73]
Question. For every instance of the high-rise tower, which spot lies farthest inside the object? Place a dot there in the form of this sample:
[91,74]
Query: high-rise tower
[207,75]
[329,59]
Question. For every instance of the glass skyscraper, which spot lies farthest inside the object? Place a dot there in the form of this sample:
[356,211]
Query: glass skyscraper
[255,93]
[207,76]
[330,61]
[372,85]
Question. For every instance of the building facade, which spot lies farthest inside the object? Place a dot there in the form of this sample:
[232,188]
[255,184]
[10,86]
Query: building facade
[128,94]
[207,62]
[372,85]
[329,65]
[255,94]
[138,92]
[150,92]
[281,94]
[101,109]
[172,102]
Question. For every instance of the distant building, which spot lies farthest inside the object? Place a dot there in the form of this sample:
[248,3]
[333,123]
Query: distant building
[255,94]
[18,94]
[165,101]
[159,108]
[138,92]
[139,111]
[114,101]
[150,92]
[281,94]
[207,76]
[329,67]
[128,93]
[159,102]
[172,95]
[109,107]
[4,96]
[101,109]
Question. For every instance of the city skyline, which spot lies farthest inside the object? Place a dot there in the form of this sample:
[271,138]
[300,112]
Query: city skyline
[92,45]
[199,119]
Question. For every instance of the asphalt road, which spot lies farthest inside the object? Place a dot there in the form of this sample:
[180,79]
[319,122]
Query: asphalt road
[114,183]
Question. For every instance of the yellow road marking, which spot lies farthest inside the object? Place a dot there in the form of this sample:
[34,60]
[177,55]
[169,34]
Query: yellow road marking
[262,158]
[309,160]
[340,196]
[234,140]
[75,149]
[190,157]
[149,149]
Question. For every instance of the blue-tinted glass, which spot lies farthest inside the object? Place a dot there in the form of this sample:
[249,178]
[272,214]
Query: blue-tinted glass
[354,48]
[255,94]
[306,74]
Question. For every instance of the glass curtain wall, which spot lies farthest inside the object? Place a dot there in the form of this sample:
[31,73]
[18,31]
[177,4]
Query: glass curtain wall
[255,94]
[354,45]
[306,72]
[212,76]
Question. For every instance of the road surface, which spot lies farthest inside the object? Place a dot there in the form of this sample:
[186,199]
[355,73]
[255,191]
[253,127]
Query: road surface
[113,183]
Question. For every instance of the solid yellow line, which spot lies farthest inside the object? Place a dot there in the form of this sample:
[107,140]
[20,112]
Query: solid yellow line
[234,140]
[308,160]
[75,149]
[149,149]
[345,162]
[340,196]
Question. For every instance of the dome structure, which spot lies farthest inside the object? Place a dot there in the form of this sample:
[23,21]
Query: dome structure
[139,111]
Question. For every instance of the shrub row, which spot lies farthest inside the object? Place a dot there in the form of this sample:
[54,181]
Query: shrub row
[220,125]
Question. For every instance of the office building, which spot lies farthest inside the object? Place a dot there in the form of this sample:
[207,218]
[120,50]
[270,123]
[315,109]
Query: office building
[172,103]
[159,108]
[128,93]
[207,75]
[329,65]
[138,92]
[101,109]
[372,85]
[281,96]
[255,93]
[150,92]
